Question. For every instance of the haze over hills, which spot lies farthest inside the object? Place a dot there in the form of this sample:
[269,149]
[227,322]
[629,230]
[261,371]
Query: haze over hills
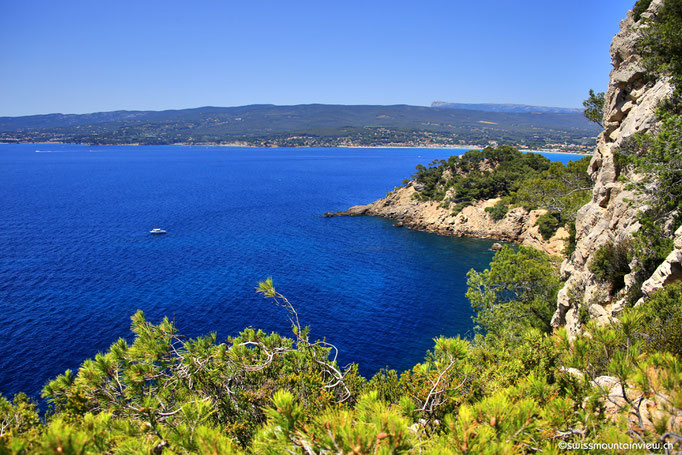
[507,108]
[306,125]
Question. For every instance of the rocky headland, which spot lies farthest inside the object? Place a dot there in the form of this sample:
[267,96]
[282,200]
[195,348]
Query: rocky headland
[518,225]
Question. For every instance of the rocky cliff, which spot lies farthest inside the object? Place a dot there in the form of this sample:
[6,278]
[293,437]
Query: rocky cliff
[611,215]
[518,225]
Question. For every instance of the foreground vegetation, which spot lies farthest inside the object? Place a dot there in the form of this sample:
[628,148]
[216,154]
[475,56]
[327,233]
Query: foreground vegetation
[517,387]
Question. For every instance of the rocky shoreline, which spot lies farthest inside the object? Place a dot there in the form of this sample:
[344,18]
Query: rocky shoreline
[518,225]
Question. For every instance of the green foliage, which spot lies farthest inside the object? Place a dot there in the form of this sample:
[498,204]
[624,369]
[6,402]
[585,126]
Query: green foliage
[658,154]
[496,394]
[175,385]
[19,423]
[528,180]
[548,223]
[610,263]
[639,8]
[624,160]
[594,107]
[571,242]
[635,371]
[499,210]
[660,159]
[657,157]
[662,320]
[517,292]
[559,189]
[652,243]
[508,421]
[661,47]
[371,427]
[478,174]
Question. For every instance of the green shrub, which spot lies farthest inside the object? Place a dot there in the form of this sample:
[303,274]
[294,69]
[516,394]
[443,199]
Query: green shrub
[661,322]
[659,161]
[611,263]
[661,48]
[18,417]
[495,394]
[594,107]
[548,224]
[569,248]
[479,174]
[639,8]
[623,157]
[518,291]
[499,210]
[458,208]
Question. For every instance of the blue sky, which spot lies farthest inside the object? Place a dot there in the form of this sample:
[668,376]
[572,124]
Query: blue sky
[87,56]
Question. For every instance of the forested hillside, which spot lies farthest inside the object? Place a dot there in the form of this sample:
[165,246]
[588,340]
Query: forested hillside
[312,124]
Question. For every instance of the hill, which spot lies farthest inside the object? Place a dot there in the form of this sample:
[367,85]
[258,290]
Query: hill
[519,108]
[301,125]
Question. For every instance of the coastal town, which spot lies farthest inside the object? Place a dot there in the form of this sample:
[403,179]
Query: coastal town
[357,138]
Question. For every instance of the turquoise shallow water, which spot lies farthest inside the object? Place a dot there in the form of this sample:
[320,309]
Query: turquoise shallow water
[76,259]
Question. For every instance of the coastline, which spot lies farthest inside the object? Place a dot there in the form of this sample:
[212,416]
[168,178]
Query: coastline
[518,225]
[233,145]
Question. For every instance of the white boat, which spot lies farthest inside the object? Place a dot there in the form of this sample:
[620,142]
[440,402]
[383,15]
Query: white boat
[157,231]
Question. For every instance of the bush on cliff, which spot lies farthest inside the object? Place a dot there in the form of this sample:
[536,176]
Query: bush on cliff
[611,262]
[661,47]
[499,210]
[660,161]
[661,320]
[526,180]
[594,107]
[548,224]
[478,174]
[559,189]
[639,8]
[655,156]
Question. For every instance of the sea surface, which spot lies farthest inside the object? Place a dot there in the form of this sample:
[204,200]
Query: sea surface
[77,259]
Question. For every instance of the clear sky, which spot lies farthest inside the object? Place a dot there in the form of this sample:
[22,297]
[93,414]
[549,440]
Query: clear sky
[100,55]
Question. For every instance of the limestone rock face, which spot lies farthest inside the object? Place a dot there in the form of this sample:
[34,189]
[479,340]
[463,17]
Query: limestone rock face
[473,221]
[611,215]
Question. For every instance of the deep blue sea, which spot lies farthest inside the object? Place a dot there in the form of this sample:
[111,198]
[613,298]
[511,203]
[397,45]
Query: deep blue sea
[76,258]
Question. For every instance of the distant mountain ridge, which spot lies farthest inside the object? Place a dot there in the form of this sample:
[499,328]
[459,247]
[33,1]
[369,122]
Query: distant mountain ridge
[518,108]
[303,125]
